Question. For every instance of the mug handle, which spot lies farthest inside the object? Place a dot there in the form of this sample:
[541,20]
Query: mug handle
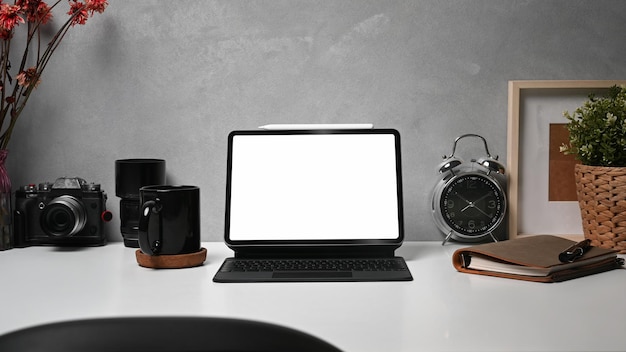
[150,248]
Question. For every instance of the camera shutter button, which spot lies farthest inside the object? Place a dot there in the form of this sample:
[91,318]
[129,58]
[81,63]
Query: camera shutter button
[94,187]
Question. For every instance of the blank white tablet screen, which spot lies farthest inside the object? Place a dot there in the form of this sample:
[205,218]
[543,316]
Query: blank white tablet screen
[313,187]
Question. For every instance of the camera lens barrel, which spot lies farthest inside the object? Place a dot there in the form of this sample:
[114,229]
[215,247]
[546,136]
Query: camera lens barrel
[64,216]
[130,176]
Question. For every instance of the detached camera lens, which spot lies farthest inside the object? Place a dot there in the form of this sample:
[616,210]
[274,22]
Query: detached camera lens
[63,217]
[130,176]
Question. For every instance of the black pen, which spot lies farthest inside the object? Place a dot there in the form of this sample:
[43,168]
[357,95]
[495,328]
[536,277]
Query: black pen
[575,251]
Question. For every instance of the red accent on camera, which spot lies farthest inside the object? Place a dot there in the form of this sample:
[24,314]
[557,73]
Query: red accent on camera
[106,216]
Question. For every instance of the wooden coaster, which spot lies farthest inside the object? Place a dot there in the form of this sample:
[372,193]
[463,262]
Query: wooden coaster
[176,261]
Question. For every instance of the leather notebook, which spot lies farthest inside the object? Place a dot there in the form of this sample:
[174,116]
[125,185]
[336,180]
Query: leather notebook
[533,258]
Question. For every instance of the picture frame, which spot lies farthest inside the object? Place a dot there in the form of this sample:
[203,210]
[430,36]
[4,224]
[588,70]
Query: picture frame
[527,205]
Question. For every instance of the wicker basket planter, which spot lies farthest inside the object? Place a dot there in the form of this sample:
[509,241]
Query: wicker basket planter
[602,199]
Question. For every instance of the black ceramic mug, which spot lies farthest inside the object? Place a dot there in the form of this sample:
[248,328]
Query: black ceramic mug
[169,222]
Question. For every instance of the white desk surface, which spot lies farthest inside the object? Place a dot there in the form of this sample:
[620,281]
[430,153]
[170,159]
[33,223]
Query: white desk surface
[441,310]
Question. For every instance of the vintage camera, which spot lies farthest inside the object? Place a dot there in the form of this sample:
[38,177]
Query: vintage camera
[69,212]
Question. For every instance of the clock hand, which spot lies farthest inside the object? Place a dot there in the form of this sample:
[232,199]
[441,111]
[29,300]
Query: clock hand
[478,200]
[470,205]
[473,205]
[481,198]
[463,199]
[480,210]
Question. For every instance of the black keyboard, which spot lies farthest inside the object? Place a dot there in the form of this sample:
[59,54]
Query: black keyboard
[354,269]
[391,264]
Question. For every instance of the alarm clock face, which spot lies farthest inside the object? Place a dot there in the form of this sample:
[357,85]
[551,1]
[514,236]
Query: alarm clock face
[472,205]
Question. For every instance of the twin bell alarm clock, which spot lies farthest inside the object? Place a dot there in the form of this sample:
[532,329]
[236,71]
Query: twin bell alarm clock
[469,200]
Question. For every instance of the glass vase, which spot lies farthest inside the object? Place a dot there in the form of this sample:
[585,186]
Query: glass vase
[6,215]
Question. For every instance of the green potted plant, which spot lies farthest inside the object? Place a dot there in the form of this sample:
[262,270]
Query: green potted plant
[597,137]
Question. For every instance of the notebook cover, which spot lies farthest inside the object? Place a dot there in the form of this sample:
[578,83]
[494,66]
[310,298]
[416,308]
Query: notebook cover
[540,251]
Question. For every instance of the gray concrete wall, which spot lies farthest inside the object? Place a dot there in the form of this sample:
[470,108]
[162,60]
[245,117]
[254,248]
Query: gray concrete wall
[170,79]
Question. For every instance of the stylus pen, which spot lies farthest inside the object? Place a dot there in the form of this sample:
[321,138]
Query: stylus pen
[318,126]
[575,251]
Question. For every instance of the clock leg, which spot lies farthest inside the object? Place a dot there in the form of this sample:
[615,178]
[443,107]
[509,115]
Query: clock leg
[447,238]
[493,237]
